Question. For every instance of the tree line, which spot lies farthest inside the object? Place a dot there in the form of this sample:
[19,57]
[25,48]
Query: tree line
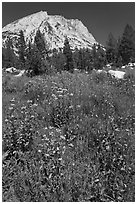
[37,58]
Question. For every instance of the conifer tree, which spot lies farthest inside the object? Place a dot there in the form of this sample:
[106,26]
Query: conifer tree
[98,57]
[111,49]
[127,45]
[40,43]
[35,63]
[8,55]
[118,61]
[68,54]
[57,60]
[75,56]
[81,60]
[22,49]
[101,57]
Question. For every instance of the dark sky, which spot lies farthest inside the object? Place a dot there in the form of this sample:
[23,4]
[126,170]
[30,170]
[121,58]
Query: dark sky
[100,18]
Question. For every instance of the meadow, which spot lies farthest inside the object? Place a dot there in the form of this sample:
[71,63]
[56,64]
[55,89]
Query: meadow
[68,138]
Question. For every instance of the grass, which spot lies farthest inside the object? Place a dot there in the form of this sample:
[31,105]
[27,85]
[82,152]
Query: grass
[68,137]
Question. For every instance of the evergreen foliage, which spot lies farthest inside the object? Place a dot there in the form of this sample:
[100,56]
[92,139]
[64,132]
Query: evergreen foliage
[35,62]
[36,56]
[21,49]
[68,54]
[111,49]
[8,56]
[127,45]
[58,60]
[98,56]
[40,43]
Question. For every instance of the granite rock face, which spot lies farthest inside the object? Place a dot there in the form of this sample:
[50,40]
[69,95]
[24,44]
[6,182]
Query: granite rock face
[54,28]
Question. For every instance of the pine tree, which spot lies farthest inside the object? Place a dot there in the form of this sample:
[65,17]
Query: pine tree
[57,61]
[118,61]
[101,57]
[88,60]
[8,56]
[84,59]
[28,58]
[111,49]
[68,54]
[127,45]
[98,57]
[22,49]
[75,56]
[81,60]
[35,63]
[40,43]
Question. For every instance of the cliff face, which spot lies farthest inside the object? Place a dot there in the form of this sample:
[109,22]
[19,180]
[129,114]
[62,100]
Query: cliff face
[55,29]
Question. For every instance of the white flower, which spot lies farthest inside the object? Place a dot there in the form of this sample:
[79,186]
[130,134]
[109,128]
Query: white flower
[35,104]
[60,95]
[23,107]
[108,147]
[78,106]
[62,137]
[50,127]
[12,104]
[10,108]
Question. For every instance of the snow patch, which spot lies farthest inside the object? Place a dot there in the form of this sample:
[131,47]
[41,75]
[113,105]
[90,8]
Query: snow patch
[117,74]
[20,73]
[11,70]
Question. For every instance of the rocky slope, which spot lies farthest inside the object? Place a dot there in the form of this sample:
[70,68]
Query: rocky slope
[55,28]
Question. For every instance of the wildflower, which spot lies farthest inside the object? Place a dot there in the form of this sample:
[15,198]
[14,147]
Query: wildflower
[23,107]
[62,137]
[47,155]
[54,96]
[64,89]
[78,106]
[10,108]
[35,104]
[71,145]
[108,147]
[60,95]
[12,104]
[29,101]
[60,91]
[50,127]
[12,100]
[51,133]
[58,130]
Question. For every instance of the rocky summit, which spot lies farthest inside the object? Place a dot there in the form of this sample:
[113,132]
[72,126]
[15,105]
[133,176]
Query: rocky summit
[54,28]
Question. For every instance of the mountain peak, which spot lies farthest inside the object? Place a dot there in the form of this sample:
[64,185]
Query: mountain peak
[54,28]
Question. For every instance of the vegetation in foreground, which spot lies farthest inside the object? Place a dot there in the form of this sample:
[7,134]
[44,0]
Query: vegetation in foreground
[68,137]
